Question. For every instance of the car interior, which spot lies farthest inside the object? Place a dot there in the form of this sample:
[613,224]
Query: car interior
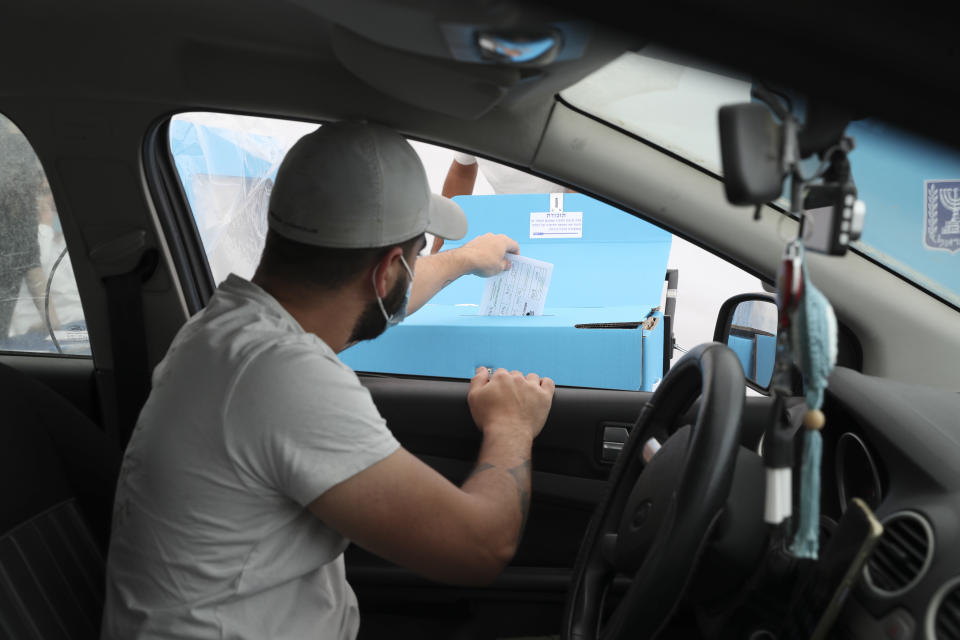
[93,87]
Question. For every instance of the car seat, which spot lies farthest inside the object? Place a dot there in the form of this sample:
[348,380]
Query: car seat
[58,472]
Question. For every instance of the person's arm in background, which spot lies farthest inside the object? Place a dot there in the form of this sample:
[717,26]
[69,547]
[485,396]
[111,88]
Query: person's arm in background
[36,281]
[35,277]
[461,178]
[483,256]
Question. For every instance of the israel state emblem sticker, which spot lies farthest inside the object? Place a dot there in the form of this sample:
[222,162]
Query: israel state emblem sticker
[941,215]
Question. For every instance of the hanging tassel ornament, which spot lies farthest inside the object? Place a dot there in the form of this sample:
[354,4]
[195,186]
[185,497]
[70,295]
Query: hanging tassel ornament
[806,542]
[813,339]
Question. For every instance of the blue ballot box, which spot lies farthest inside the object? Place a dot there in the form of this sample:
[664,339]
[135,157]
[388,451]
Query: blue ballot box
[601,325]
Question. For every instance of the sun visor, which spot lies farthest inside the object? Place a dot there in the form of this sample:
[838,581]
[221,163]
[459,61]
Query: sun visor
[531,35]
[462,90]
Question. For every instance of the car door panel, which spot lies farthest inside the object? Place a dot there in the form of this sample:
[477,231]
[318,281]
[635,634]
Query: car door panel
[431,418]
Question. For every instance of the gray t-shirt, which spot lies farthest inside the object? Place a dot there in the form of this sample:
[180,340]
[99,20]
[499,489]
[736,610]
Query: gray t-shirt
[250,419]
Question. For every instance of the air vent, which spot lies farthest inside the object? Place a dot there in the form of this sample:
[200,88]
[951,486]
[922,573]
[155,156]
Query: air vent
[902,555]
[946,619]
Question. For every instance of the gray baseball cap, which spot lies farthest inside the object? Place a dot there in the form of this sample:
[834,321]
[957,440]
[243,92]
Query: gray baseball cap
[353,185]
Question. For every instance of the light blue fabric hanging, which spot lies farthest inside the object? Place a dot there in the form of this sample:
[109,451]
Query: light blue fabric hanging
[813,337]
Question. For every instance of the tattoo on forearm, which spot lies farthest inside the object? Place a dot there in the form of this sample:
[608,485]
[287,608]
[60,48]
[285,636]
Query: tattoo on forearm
[521,476]
[483,466]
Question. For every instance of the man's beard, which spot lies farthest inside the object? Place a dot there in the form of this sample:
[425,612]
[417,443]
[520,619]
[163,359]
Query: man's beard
[371,322]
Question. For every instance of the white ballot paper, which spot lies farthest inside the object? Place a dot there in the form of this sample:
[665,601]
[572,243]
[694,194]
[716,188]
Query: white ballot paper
[521,290]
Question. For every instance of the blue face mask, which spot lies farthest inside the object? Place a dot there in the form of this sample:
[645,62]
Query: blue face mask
[401,313]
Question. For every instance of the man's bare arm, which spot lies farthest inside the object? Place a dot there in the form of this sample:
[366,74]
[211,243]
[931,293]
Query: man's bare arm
[460,180]
[404,511]
[483,256]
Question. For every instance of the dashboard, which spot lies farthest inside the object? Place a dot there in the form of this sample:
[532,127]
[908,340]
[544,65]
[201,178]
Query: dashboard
[897,447]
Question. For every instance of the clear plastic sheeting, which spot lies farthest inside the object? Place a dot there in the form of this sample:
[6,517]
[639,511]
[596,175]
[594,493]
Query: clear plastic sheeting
[227,165]
[40,307]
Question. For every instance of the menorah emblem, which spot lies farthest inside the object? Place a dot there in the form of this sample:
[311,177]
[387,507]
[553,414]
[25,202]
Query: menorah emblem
[941,231]
[951,200]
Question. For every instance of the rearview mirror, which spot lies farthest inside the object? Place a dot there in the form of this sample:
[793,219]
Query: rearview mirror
[748,324]
[751,153]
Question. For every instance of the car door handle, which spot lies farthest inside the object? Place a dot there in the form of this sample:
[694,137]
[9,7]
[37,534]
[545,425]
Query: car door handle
[615,435]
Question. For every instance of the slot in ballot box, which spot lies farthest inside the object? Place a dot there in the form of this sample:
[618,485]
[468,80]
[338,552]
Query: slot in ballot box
[601,326]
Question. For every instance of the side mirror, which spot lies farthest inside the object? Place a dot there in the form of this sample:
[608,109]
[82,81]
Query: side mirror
[748,324]
[751,153]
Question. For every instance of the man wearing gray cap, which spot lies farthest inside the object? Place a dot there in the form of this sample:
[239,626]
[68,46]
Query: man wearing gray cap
[259,454]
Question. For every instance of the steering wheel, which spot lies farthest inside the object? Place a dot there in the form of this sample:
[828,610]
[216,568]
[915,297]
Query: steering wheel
[659,510]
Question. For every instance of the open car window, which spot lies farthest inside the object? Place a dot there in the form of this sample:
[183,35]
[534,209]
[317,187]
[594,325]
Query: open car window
[593,318]
[40,309]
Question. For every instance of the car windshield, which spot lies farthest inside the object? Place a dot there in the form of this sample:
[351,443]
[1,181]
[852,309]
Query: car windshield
[911,185]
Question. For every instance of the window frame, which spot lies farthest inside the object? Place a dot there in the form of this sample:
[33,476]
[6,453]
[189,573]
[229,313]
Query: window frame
[180,222]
